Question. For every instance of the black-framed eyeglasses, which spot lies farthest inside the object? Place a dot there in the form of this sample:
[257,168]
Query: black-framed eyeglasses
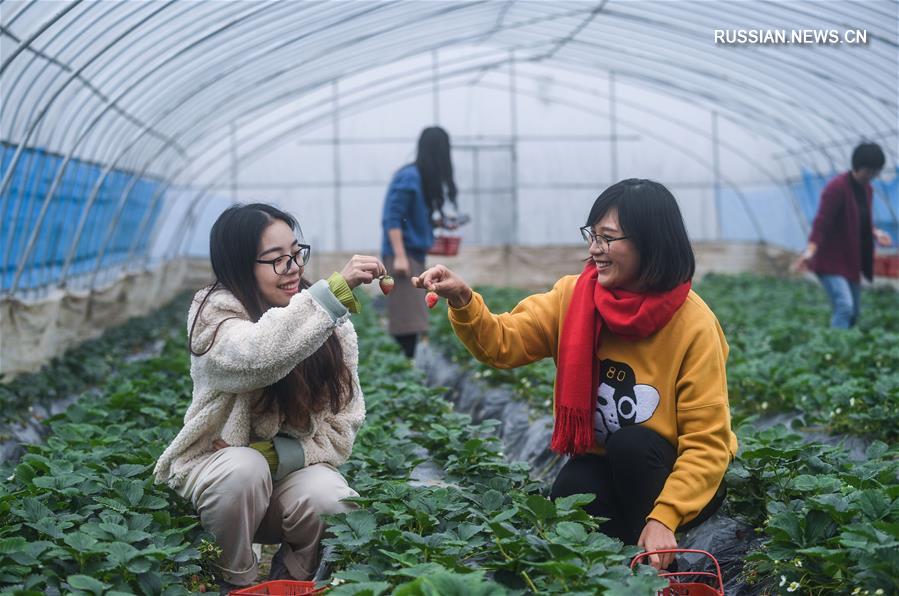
[282,264]
[602,241]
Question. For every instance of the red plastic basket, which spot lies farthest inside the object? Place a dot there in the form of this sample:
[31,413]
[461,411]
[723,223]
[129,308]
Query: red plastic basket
[445,246]
[281,587]
[886,265]
[677,587]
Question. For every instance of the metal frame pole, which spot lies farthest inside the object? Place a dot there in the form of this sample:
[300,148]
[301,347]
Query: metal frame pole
[613,127]
[335,122]
[716,173]
[513,124]
[435,92]
[234,162]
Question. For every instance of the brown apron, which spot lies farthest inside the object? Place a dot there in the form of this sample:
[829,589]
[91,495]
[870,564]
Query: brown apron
[407,312]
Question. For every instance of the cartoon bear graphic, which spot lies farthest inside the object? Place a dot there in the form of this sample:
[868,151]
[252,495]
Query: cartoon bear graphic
[620,400]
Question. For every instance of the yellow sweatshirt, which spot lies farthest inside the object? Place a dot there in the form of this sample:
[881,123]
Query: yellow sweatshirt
[673,382]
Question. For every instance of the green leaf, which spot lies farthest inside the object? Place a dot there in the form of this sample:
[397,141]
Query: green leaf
[12,545]
[362,523]
[32,510]
[574,501]
[542,507]
[873,503]
[492,501]
[25,473]
[571,531]
[80,542]
[505,515]
[84,582]
[139,565]
[132,492]
[876,450]
[120,553]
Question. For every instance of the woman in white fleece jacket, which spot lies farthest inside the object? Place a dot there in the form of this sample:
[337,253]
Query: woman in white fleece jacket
[276,398]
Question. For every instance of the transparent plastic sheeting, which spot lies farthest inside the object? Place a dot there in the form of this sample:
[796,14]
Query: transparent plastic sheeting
[789,229]
[137,212]
[133,122]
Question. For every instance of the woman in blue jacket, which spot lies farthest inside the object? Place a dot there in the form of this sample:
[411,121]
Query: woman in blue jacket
[414,200]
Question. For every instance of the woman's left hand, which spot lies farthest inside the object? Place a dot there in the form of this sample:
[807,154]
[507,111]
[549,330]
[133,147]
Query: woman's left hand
[219,444]
[657,536]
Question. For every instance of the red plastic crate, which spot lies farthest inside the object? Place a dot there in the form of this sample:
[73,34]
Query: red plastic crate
[445,246]
[281,587]
[678,587]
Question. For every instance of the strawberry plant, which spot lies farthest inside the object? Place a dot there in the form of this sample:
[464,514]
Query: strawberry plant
[81,514]
[478,524]
[831,524]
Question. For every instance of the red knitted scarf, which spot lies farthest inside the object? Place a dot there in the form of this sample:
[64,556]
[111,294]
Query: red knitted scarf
[627,314]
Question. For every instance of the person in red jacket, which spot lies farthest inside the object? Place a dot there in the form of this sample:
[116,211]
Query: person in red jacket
[841,244]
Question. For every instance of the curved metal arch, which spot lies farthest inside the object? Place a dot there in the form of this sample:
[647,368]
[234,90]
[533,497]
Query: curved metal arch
[25,101]
[506,9]
[84,112]
[58,92]
[736,114]
[445,75]
[176,104]
[267,145]
[61,171]
[250,88]
[710,73]
[188,117]
[807,68]
[15,118]
[40,31]
[178,53]
[33,237]
[795,118]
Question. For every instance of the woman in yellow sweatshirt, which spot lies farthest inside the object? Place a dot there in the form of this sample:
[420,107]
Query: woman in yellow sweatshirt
[641,390]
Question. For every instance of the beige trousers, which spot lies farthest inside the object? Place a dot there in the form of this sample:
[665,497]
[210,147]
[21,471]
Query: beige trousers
[239,504]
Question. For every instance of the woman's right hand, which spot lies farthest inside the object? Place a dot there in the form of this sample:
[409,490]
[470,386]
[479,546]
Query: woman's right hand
[362,269]
[444,283]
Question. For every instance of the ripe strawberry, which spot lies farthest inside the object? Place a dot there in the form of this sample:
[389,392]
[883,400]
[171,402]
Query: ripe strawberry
[386,284]
[431,298]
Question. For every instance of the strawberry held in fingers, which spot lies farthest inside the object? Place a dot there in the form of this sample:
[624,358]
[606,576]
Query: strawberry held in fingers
[386,284]
[431,298]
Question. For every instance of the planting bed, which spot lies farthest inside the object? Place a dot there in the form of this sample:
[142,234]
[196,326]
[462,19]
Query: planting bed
[445,508]
[805,512]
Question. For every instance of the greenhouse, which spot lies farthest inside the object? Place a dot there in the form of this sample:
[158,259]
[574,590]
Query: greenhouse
[449,297]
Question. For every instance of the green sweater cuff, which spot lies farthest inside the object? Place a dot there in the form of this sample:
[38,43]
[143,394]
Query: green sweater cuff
[342,291]
[267,449]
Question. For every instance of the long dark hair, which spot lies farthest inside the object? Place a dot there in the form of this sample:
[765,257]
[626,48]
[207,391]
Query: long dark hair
[649,216]
[436,168]
[320,380]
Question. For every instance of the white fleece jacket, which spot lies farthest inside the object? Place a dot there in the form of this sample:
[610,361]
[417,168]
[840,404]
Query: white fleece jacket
[245,358]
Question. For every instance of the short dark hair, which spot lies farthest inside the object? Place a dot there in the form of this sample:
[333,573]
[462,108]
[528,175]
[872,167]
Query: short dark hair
[868,155]
[650,218]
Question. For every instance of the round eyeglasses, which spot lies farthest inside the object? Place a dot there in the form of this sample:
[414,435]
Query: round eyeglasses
[282,264]
[601,240]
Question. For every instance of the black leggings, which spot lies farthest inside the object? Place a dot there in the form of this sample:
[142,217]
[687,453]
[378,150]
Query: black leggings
[407,342]
[626,481]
